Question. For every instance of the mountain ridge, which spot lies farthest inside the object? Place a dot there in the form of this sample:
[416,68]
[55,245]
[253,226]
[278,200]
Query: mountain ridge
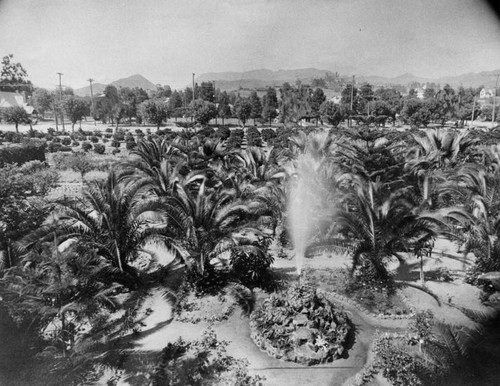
[263,78]
[132,81]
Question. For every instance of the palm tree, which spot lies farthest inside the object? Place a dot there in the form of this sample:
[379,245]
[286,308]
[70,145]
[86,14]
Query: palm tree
[439,149]
[480,190]
[380,227]
[213,221]
[116,219]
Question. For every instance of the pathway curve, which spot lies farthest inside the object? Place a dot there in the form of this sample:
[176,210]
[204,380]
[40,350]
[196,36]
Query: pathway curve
[236,330]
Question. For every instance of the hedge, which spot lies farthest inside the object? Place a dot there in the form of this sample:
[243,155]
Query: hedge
[20,154]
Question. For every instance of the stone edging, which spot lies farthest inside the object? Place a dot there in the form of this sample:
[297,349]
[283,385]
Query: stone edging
[364,310]
[265,345]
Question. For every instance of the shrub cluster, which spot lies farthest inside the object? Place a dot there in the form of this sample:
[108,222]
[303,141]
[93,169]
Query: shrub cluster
[20,154]
[300,325]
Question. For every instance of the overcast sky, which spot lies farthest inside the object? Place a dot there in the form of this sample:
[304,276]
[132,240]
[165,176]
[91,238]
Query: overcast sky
[167,40]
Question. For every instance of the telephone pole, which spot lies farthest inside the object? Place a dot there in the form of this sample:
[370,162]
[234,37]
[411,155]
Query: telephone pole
[494,103]
[92,100]
[473,111]
[352,97]
[215,102]
[60,99]
[192,113]
[193,87]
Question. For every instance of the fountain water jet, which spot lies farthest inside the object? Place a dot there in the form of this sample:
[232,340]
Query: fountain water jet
[303,199]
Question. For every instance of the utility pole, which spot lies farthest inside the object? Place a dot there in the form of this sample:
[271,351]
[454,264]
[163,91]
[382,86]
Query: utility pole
[352,97]
[60,99]
[494,103]
[92,100]
[192,113]
[193,87]
[473,111]
[215,102]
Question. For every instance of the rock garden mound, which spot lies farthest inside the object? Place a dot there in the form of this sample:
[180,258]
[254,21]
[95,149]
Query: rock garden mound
[300,325]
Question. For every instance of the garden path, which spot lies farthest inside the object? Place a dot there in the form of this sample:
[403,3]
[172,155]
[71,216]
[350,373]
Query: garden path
[236,330]
[156,334]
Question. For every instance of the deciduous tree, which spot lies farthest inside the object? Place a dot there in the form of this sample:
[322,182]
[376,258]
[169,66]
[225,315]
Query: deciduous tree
[154,111]
[76,108]
[13,76]
[16,115]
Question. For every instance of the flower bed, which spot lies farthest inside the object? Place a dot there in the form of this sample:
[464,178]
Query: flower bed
[300,325]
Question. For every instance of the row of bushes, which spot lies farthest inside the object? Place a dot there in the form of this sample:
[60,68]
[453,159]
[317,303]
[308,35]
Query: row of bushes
[31,150]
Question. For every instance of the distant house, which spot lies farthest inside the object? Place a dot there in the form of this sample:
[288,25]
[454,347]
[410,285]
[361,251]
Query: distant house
[14,99]
[420,91]
[336,99]
[486,96]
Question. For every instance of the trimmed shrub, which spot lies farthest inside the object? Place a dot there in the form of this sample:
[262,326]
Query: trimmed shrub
[66,141]
[115,143]
[93,139]
[99,148]
[86,146]
[115,151]
[13,137]
[119,136]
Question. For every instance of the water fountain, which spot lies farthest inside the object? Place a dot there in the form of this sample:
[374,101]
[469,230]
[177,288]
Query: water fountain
[305,201]
[301,205]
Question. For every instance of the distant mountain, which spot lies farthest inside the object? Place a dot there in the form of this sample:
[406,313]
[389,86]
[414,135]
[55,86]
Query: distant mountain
[264,78]
[97,88]
[260,78]
[135,81]
[131,81]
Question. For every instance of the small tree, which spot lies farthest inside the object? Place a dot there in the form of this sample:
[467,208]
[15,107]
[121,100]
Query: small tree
[223,108]
[203,111]
[80,162]
[243,110]
[76,109]
[270,105]
[331,112]
[16,115]
[42,100]
[256,105]
[154,111]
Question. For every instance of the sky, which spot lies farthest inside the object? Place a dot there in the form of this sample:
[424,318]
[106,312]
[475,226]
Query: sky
[168,40]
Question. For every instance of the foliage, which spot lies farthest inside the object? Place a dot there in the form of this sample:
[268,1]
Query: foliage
[86,146]
[203,111]
[397,365]
[421,327]
[112,219]
[20,154]
[243,110]
[154,111]
[300,325]
[331,112]
[251,268]
[13,76]
[16,115]
[99,148]
[42,100]
[76,108]
[202,362]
